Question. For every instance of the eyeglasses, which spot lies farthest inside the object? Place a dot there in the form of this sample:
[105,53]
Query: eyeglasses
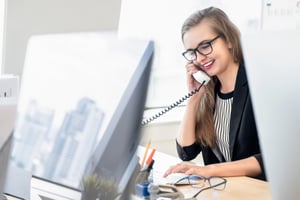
[204,49]
[215,182]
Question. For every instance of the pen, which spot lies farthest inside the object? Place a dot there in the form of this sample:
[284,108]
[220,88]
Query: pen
[149,160]
[150,166]
[145,154]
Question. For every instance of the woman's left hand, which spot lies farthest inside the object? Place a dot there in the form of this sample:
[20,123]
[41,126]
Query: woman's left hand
[188,169]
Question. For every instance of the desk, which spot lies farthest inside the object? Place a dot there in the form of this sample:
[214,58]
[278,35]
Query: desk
[236,187]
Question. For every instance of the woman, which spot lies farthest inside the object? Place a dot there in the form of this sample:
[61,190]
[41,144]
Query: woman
[218,120]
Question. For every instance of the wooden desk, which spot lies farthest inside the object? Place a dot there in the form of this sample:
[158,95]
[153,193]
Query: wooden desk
[236,188]
[240,188]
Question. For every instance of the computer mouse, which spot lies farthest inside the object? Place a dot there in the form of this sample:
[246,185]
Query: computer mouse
[177,178]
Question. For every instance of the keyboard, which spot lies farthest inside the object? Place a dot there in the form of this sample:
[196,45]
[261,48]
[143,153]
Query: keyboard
[171,179]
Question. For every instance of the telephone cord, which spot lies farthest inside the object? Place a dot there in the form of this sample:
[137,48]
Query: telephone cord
[170,107]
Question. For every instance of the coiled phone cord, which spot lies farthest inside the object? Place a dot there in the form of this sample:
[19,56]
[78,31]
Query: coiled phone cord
[179,101]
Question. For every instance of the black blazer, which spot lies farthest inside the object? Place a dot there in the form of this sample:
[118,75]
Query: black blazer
[243,138]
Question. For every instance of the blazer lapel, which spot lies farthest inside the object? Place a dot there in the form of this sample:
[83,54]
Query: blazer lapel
[239,99]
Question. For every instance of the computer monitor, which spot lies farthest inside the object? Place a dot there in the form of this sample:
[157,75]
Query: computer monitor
[115,155]
[71,86]
[273,68]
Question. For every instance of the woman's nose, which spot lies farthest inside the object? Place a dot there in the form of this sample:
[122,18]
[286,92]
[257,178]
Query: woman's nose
[199,58]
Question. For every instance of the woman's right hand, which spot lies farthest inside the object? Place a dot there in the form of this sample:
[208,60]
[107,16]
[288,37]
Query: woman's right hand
[192,83]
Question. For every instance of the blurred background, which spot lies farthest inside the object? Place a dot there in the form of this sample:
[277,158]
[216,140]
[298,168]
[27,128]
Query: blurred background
[157,20]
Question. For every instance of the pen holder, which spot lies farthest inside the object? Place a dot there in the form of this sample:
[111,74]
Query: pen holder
[143,179]
[141,183]
[143,175]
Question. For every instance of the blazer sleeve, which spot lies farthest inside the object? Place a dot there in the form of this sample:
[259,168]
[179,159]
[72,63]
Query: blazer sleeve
[259,158]
[188,153]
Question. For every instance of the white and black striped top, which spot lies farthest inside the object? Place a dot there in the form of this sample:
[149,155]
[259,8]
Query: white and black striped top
[222,122]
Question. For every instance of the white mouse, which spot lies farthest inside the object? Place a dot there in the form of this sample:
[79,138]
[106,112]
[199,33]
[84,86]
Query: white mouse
[175,177]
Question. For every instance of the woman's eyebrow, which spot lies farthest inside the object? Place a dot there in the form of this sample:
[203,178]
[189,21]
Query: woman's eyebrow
[203,42]
[200,43]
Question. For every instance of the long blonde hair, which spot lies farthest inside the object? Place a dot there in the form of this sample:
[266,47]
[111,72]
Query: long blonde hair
[221,25]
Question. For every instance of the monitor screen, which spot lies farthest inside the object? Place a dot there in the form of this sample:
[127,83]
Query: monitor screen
[72,84]
[272,61]
[114,157]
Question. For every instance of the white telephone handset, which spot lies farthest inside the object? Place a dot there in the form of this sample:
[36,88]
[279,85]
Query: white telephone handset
[200,76]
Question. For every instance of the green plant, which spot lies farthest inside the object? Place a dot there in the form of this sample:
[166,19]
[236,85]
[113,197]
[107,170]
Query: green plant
[95,187]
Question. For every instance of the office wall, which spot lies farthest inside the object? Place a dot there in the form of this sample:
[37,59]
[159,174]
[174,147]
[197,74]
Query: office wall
[2,14]
[280,15]
[163,138]
[31,17]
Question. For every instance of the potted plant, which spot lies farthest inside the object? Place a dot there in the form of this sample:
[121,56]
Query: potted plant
[98,188]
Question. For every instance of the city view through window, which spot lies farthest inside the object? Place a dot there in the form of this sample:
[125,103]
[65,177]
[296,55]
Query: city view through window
[69,92]
[57,151]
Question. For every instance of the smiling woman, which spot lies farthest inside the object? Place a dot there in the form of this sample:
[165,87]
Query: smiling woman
[167,79]
[219,119]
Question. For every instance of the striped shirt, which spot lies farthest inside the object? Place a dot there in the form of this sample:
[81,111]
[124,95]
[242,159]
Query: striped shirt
[222,122]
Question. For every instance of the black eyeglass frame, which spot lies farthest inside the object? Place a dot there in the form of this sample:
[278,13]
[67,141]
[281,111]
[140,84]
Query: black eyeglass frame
[190,177]
[211,186]
[209,43]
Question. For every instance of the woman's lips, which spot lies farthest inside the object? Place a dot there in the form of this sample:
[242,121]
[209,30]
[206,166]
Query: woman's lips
[208,65]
